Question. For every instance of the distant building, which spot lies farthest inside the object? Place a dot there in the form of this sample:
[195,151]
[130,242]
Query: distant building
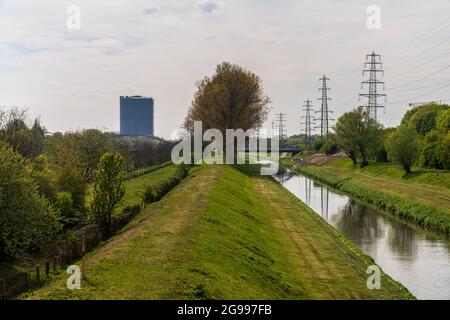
[136,116]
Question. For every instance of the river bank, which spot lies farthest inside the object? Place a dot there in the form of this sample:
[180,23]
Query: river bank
[226,234]
[418,258]
[423,200]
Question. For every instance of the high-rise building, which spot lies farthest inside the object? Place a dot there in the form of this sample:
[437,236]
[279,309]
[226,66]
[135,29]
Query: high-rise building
[136,115]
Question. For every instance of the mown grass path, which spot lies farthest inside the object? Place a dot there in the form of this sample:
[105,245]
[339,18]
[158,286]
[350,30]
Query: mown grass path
[222,234]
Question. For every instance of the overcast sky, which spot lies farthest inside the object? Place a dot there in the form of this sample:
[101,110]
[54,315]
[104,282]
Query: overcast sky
[73,78]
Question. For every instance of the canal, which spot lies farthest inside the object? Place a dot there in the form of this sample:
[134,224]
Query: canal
[418,258]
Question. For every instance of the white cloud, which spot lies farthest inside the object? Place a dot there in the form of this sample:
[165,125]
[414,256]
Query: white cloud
[150,11]
[208,6]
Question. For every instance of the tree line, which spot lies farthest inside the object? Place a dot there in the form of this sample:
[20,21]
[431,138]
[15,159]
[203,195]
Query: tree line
[422,139]
[52,183]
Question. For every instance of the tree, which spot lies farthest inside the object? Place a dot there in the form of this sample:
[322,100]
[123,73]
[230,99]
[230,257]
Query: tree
[27,220]
[423,117]
[78,150]
[232,98]
[436,150]
[403,146]
[70,181]
[358,134]
[108,189]
[28,141]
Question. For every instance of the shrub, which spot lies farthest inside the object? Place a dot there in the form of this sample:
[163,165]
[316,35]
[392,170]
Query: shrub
[69,180]
[64,203]
[127,214]
[27,220]
[155,192]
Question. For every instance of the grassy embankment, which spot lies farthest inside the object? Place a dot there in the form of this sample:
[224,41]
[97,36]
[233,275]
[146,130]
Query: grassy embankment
[422,196]
[134,190]
[223,234]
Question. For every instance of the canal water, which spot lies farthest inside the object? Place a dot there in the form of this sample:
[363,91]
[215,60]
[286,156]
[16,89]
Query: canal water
[418,258]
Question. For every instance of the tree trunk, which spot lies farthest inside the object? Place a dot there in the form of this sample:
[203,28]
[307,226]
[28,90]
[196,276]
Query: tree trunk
[407,168]
[352,156]
[364,163]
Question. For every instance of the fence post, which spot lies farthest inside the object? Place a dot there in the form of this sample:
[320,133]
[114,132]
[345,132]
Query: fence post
[54,263]
[47,268]
[3,289]
[38,275]
[83,259]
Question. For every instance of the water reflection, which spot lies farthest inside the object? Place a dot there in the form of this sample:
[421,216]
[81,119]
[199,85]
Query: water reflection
[418,258]
[359,223]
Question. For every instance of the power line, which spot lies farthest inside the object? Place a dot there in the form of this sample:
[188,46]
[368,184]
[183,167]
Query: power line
[434,35]
[372,96]
[324,111]
[425,87]
[421,65]
[418,80]
[432,29]
[421,96]
[400,54]
[418,55]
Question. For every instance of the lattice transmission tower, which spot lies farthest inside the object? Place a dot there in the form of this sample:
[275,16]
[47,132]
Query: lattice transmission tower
[307,108]
[373,65]
[281,118]
[324,111]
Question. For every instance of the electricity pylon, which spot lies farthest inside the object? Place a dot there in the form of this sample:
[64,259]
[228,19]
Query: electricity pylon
[324,111]
[308,121]
[281,118]
[373,67]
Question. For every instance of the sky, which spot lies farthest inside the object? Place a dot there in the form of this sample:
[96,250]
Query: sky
[72,78]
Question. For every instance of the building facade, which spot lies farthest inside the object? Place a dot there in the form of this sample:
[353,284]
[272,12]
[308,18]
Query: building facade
[136,116]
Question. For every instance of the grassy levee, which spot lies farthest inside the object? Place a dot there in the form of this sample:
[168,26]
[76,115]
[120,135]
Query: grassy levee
[422,196]
[224,234]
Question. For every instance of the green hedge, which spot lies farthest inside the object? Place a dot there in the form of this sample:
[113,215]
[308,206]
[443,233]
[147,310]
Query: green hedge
[154,193]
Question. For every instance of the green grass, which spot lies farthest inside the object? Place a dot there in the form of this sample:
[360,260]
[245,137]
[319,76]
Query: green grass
[421,196]
[439,178]
[134,189]
[224,234]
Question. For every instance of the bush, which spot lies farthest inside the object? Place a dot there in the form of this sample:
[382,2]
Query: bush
[27,220]
[436,151]
[155,192]
[329,147]
[69,180]
[127,214]
[64,203]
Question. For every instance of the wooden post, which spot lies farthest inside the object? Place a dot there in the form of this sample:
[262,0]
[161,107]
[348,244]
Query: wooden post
[83,260]
[3,289]
[38,274]
[47,268]
[54,263]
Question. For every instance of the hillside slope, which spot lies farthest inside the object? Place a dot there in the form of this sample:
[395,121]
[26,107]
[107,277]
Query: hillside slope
[223,234]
